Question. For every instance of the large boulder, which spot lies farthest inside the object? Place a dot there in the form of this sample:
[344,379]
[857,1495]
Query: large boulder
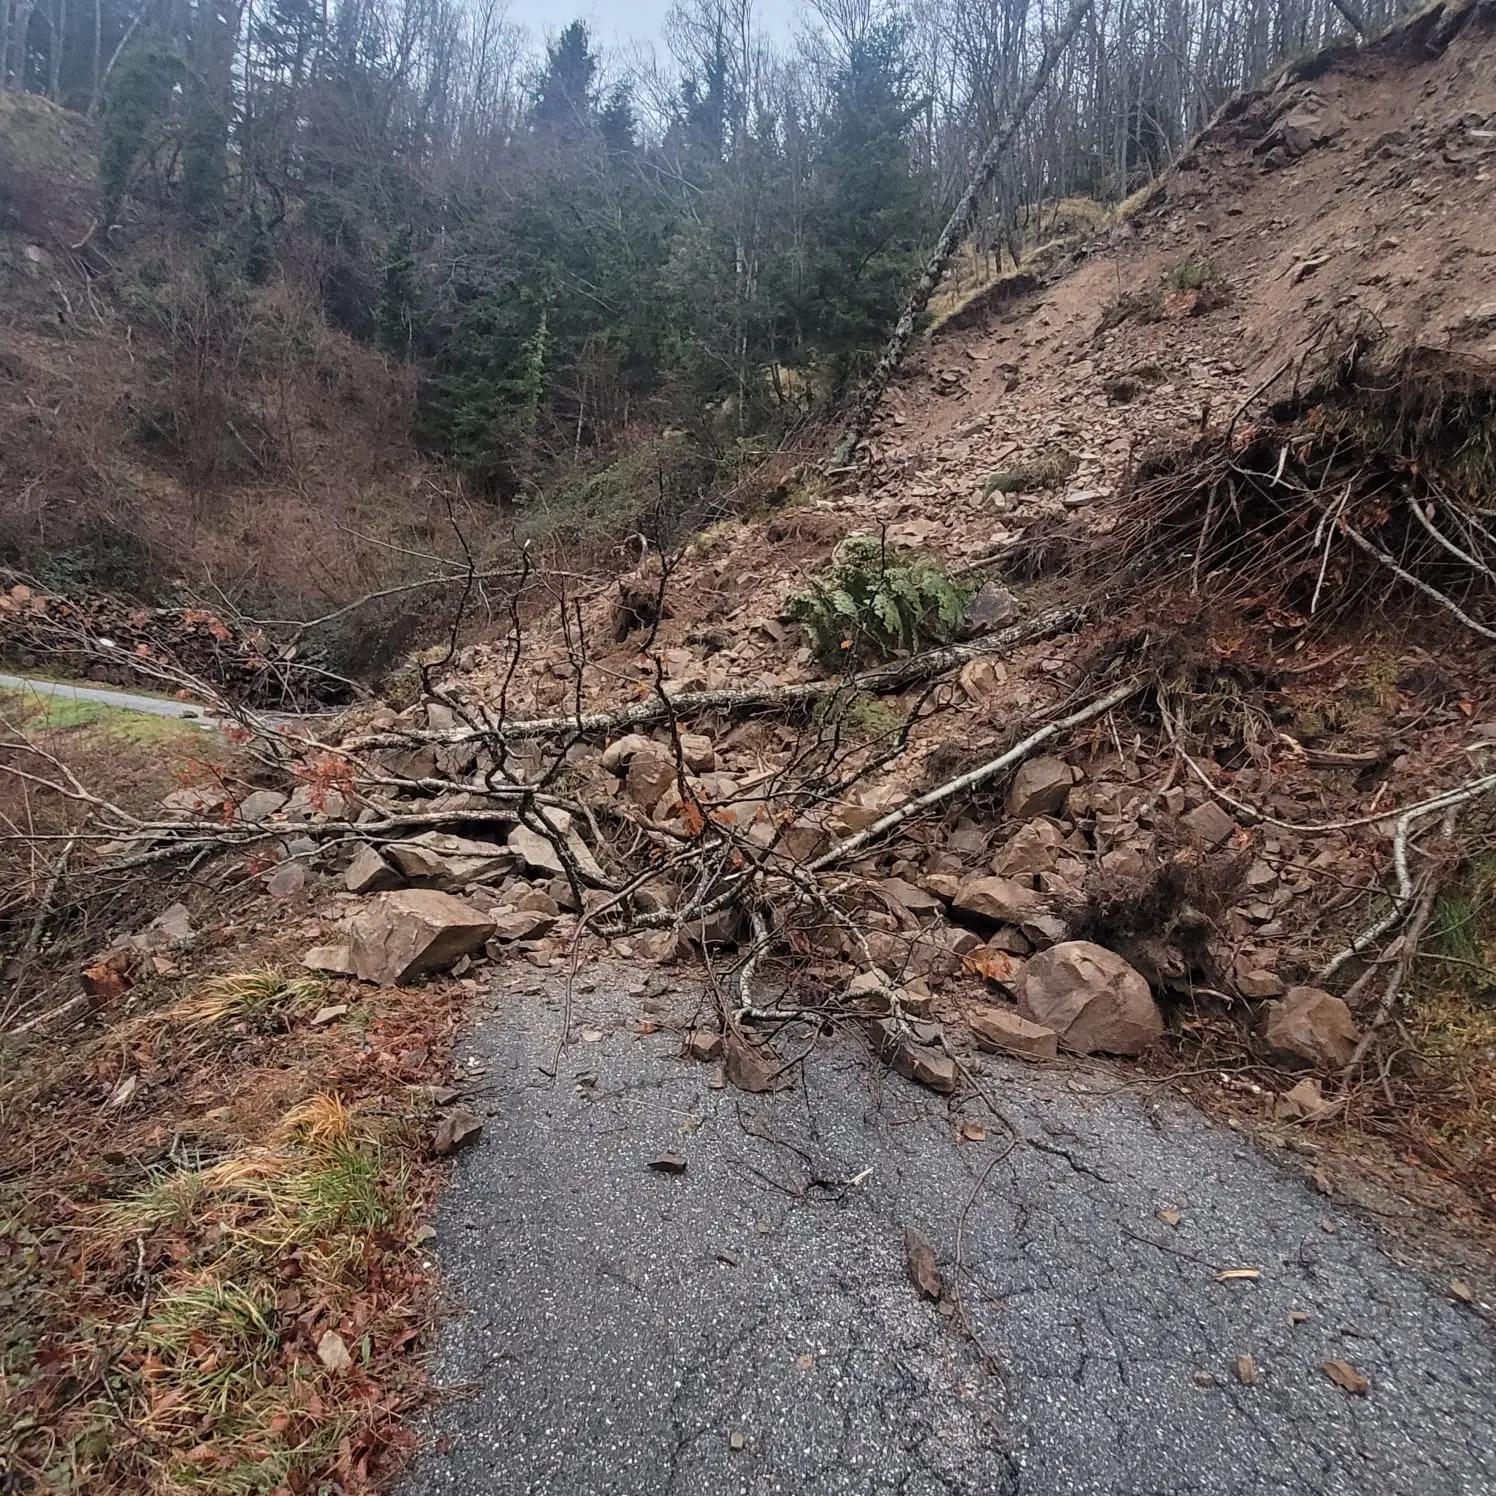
[395,937]
[1039,788]
[1091,998]
[1311,1027]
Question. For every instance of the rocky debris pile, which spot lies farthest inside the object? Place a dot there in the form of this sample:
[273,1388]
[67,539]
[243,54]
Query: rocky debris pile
[105,638]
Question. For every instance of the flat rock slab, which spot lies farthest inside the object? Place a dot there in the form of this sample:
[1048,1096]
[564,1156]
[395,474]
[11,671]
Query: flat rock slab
[627,1329]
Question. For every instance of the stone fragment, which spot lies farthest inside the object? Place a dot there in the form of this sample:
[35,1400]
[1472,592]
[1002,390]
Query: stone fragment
[698,752]
[907,896]
[437,859]
[395,937]
[534,850]
[705,1045]
[1257,983]
[1091,998]
[369,872]
[991,607]
[332,958]
[982,677]
[259,805]
[1039,788]
[287,879]
[169,930]
[617,754]
[1311,1026]
[999,900]
[521,924]
[663,947]
[1004,1032]
[319,800]
[1032,849]
[193,802]
[1208,826]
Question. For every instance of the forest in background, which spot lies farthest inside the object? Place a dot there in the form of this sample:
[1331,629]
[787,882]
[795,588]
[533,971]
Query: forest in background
[573,252]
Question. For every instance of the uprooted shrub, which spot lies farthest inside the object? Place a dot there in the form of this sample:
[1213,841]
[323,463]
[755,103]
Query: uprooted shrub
[1377,485]
[876,602]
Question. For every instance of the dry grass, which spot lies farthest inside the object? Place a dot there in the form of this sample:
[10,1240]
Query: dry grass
[214,1287]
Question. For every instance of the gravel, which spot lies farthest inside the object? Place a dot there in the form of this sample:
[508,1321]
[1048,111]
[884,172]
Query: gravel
[622,1330]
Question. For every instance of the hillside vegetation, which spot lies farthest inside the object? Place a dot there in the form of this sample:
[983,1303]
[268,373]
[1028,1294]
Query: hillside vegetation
[288,292]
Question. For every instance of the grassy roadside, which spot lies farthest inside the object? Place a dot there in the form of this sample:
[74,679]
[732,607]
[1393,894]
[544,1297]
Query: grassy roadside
[211,1265]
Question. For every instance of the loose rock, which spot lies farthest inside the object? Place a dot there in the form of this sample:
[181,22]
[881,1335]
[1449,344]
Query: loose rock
[999,1031]
[1311,1027]
[1091,998]
[398,936]
[1039,788]
[369,873]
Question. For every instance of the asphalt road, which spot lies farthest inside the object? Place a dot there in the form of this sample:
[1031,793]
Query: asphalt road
[125,701]
[619,1327]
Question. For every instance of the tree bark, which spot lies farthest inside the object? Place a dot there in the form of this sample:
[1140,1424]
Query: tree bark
[955,230]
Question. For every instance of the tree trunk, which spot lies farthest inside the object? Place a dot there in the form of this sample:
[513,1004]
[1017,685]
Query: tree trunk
[952,234]
[54,50]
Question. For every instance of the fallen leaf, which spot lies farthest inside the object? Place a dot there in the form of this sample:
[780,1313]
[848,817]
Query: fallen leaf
[973,1132]
[1246,1371]
[668,1163]
[1168,1215]
[1461,1291]
[1343,1374]
[1238,1274]
[333,1353]
[923,1271]
[457,1129]
[996,965]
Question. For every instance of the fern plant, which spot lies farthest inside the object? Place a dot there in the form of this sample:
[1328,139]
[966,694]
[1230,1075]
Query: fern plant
[873,601]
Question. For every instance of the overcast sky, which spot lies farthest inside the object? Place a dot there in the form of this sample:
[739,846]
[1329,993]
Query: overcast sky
[614,23]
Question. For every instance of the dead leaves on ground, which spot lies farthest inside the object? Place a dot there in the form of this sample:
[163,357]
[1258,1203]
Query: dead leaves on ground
[924,1272]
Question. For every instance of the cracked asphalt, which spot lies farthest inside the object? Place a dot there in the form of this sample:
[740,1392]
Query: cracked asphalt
[621,1330]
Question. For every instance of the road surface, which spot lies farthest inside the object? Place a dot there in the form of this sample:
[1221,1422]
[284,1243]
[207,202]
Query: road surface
[124,701]
[624,1331]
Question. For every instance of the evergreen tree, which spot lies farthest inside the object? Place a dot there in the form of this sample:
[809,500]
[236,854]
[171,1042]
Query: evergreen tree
[870,213]
[564,100]
[136,106]
[395,311]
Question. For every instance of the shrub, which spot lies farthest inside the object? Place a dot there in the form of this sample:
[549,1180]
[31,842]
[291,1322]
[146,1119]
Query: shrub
[871,601]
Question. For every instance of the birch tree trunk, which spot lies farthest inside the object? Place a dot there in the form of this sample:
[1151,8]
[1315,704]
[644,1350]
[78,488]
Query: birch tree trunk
[955,230]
